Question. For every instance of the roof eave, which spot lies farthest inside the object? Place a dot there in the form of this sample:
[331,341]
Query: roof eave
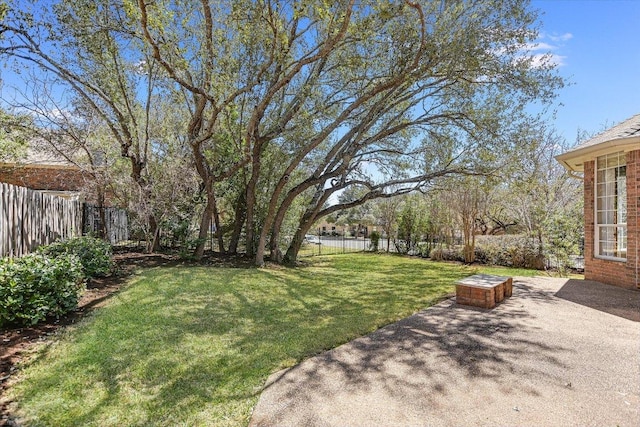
[574,160]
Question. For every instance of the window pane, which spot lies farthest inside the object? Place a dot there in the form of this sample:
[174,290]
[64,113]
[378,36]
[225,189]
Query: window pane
[609,176]
[622,212]
[605,217]
[621,247]
[612,161]
[621,184]
[610,188]
[605,203]
[622,198]
[621,171]
[606,249]
[611,205]
[622,237]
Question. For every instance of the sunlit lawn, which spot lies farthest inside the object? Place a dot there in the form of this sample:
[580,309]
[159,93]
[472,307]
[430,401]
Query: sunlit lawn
[193,345]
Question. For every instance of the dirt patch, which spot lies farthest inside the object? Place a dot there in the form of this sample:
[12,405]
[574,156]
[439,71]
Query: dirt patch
[17,343]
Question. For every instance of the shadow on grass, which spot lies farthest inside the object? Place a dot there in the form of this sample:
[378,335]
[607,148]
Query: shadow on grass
[195,345]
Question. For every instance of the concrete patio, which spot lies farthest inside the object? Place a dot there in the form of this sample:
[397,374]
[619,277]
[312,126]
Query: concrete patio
[558,353]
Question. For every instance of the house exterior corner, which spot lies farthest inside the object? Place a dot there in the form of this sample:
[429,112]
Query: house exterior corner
[610,162]
[622,273]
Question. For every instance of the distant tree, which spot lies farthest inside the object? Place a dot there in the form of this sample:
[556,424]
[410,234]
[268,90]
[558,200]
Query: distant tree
[465,200]
[540,189]
[495,215]
[386,212]
[563,231]
[412,222]
[14,135]
[358,217]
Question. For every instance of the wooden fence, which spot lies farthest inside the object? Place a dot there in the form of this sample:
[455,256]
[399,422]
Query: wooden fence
[29,219]
[116,223]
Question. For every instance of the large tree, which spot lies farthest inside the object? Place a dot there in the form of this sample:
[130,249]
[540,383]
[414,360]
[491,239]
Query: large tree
[292,100]
[345,89]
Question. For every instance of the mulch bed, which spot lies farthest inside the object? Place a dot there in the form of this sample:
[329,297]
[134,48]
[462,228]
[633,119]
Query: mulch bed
[17,343]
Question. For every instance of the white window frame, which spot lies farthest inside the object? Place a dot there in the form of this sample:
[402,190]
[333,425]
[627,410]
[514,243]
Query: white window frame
[621,160]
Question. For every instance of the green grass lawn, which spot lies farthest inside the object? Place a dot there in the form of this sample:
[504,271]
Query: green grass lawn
[193,345]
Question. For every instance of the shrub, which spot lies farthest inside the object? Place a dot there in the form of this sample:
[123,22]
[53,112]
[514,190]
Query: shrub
[509,251]
[401,246]
[423,249]
[188,247]
[36,286]
[444,254]
[94,254]
[375,240]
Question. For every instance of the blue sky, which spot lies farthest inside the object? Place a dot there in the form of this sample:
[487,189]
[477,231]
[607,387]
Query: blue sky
[597,44]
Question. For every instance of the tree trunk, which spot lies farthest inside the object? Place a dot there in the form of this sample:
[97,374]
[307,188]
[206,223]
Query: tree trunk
[205,223]
[239,214]
[154,244]
[274,249]
[279,219]
[291,256]
[270,225]
[262,240]
[102,230]
[216,219]
[273,222]
[469,243]
[251,205]
[307,220]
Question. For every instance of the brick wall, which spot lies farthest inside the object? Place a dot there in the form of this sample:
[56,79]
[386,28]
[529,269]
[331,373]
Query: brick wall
[623,274]
[49,178]
[41,178]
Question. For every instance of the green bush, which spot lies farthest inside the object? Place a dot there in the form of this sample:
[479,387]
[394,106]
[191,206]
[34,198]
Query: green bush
[188,247]
[375,240]
[424,249]
[447,254]
[509,251]
[36,286]
[401,246]
[94,254]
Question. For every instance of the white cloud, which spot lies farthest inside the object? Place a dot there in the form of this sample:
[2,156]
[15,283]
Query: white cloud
[559,60]
[59,114]
[560,38]
[542,59]
[531,47]
[544,53]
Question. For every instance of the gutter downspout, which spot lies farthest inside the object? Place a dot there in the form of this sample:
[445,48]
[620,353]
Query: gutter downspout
[573,174]
[569,170]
